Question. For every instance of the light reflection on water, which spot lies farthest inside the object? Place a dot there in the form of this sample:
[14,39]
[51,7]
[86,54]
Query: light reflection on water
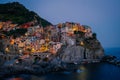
[83,75]
[15,79]
[99,71]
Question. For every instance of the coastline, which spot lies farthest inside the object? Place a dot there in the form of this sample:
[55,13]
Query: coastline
[49,67]
[28,66]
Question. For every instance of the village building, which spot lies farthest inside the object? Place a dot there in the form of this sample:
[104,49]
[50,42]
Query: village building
[88,31]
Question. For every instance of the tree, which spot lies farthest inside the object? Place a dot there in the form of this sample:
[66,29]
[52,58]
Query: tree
[94,35]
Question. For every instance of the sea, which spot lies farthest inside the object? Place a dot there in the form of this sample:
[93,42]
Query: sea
[97,71]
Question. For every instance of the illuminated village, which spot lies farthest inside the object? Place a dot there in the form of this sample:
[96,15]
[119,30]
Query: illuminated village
[40,39]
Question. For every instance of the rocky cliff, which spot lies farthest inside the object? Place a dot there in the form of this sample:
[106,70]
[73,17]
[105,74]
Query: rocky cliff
[77,54]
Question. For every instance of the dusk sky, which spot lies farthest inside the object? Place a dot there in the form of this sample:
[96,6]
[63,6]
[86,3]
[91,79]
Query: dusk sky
[102,15]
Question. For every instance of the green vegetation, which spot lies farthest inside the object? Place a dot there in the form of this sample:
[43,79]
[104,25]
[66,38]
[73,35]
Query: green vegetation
[17,13]
[16,32]
[94,35]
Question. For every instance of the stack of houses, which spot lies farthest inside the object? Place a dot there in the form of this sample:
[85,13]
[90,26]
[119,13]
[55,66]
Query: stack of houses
[49,39]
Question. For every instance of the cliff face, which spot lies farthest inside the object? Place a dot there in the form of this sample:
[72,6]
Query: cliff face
[77,54]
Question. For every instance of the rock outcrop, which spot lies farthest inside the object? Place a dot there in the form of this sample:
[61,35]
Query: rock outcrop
[76,54]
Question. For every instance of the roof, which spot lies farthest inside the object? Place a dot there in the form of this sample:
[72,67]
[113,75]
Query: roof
[86,26]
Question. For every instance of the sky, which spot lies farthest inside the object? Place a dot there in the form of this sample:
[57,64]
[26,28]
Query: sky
[102,15]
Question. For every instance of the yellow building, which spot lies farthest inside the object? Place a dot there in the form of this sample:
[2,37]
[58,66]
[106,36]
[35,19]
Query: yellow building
[75,27]
[7,49]
[43,48]
[12,41]
[1,25]
[82,43]
[33,50]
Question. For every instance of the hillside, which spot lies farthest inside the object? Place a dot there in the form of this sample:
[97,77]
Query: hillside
[18,14]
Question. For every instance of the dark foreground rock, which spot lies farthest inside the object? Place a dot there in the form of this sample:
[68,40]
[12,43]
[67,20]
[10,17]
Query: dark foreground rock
[111,60]
[36,69]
